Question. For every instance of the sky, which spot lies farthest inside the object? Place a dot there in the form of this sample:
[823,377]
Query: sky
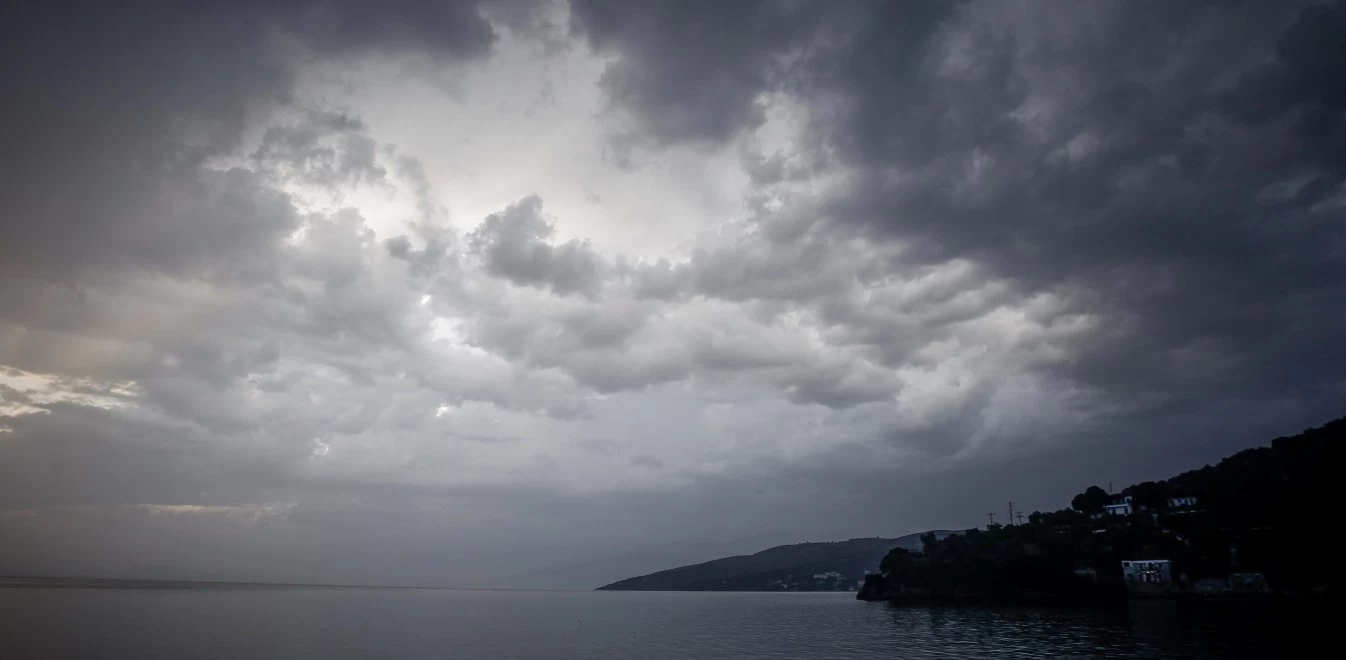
[457,292]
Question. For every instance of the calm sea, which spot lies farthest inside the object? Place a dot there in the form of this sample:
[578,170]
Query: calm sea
[408,623]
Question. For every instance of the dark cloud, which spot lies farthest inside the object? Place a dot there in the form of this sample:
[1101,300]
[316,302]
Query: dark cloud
[680,93]
[115,109]
[1171,173]
[513,245]
[454,29]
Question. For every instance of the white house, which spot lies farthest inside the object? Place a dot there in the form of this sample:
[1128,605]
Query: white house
[1120,506]
[1184,502]
[1147,571]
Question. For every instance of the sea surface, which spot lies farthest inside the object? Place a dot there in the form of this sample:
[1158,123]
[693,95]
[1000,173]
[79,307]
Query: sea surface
[297,622]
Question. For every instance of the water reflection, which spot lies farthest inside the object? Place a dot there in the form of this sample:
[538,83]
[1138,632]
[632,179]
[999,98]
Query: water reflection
[1147,629]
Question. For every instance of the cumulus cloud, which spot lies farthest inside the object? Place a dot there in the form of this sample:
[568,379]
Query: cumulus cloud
[325,149]
[512,244]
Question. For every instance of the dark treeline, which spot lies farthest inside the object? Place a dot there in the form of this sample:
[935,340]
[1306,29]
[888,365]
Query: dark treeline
[1267,511]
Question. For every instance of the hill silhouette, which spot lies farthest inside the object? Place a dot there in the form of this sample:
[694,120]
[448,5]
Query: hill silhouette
[830,566]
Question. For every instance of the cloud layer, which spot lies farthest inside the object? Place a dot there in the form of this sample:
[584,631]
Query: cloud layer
[323,283]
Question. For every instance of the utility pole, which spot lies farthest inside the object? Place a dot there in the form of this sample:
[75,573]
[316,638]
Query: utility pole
[991,516]
[1021,517]
[1011,513]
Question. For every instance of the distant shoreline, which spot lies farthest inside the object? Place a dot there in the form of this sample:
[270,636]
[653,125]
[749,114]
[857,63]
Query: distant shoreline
[49,582]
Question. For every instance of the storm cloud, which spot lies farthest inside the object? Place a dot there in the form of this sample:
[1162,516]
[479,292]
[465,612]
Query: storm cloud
[445,292]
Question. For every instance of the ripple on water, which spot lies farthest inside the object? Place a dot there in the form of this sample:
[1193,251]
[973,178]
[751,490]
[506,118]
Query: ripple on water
[392,623]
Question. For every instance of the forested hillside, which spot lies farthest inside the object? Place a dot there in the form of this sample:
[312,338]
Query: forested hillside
[1248,514]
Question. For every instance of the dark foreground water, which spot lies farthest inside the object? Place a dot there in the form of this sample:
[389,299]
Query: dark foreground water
[405,623]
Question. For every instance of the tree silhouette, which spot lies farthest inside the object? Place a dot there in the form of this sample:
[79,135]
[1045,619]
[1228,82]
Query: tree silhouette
[1091,500]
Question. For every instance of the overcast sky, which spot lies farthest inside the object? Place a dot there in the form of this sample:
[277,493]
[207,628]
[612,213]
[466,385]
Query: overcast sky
[440,292]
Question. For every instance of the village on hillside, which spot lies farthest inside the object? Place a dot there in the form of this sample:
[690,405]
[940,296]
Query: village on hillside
[1230,529]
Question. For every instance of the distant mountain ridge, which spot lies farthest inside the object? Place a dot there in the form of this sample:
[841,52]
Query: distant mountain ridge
[829,566]
[590,573]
